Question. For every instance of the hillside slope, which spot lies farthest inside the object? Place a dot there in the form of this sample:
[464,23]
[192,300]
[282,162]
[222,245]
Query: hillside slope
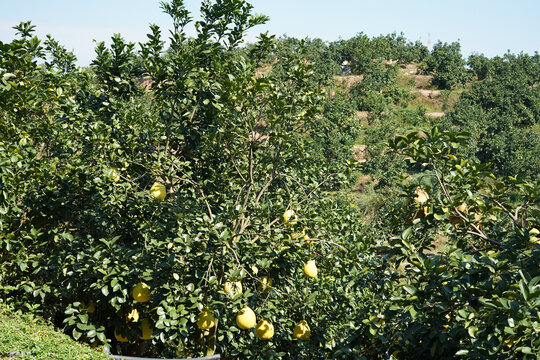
[35,339]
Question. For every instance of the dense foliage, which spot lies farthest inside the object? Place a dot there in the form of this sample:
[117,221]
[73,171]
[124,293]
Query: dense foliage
[502,112]
[215,174]
[448,65]
[360,50]
[378,89]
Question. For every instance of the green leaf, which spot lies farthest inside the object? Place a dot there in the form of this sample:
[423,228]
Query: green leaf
[406,233]
[410,289]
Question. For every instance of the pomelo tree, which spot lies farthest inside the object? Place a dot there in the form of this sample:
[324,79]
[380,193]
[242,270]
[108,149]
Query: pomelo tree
[180,185]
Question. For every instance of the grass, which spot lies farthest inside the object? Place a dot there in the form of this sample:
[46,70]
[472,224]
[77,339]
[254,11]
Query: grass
[27,333]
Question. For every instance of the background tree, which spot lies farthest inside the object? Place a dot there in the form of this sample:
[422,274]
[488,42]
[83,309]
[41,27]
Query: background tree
[448,65]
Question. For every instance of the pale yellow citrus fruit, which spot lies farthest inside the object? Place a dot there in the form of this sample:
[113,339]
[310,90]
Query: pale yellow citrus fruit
[133,316]
[206,319]
[112,174]
[141,292]
[264,330]
[158,191]
[115,176]
[310,269]
[302,330]
[233,288]
[295,235]
[307,240]
[534,238]
[289,218]
[119,337]
[146,330]
[421,196]
[246,318]
[266,282]
[91,308]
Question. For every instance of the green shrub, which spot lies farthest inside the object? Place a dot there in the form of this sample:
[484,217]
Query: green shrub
[501,112]
[79,224]
[378,89]
[448,65]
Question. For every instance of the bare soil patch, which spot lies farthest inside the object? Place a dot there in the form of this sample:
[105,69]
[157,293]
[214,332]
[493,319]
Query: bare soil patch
[346,81]
[435,114]
[359,153]
[429,94]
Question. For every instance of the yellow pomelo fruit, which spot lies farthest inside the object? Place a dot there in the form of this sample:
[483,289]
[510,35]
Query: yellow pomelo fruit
[141,292]
[158,191]
[112,174]
[421,196]
[119,337]
[289,218]
[264,330]
[133,316]
[206,319]
[302,330]
[295,235]
[533,236]
[115,176]
[307,240]
[266,282]
[146,330]
[310,269]
[246,318]
[233,288]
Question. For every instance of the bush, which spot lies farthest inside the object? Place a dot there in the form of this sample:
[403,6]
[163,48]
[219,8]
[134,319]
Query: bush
[378,89]
[475,296]
[336,132]
[81,225]
[501,113]
[448,65]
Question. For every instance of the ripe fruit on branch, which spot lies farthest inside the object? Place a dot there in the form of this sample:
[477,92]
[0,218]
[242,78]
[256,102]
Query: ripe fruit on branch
[455,219]
[266,283]
[158,191]
[206,319]
[133,316]
[310,269]
[141,292]
[298,235]
[421,196]
[146,330]
[264,330]
[289,218]
[302,330]
[307,240]
[119,337]
[246,318]
[233,288]
[90,309]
